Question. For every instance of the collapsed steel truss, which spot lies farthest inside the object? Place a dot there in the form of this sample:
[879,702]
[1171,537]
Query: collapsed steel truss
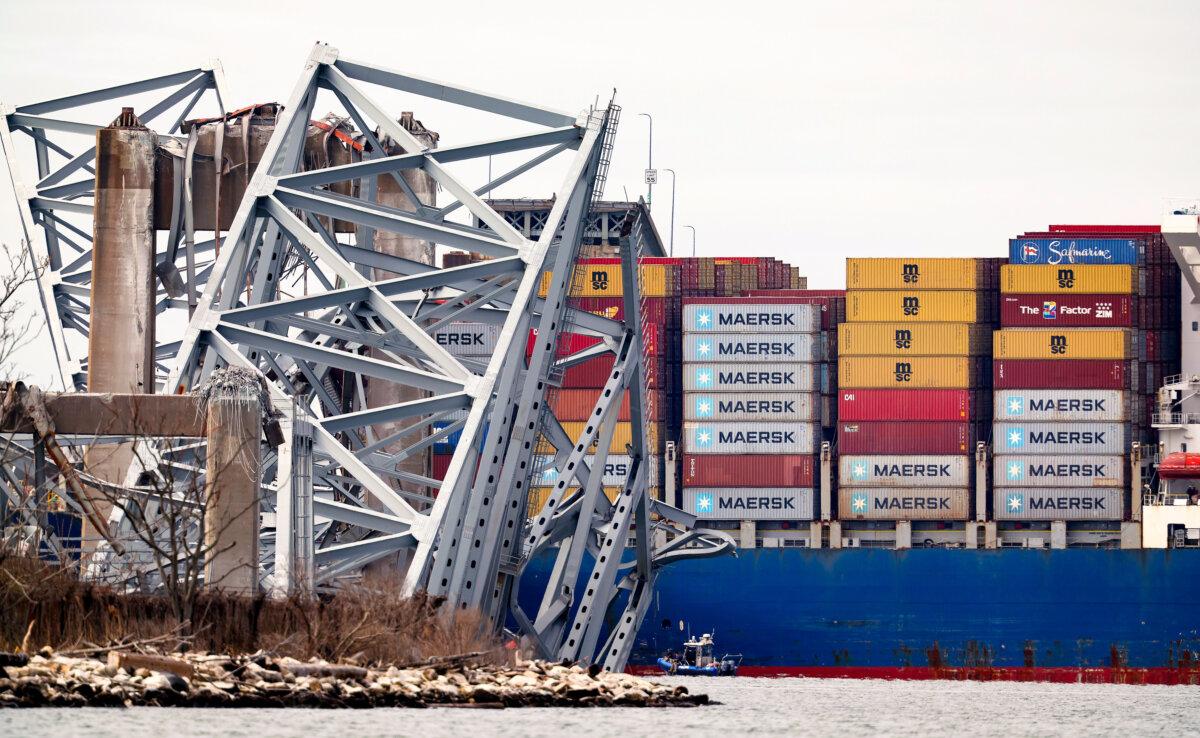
[59,202]
[334,485]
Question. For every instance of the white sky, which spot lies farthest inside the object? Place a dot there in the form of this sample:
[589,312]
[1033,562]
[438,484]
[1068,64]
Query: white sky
[805,131]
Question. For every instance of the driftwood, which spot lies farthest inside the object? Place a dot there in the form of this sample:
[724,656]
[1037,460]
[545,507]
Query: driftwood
[133,661]
[340,671]
[443,662]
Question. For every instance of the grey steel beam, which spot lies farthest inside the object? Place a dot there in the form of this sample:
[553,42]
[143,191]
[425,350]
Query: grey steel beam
[457,95]
[384,218]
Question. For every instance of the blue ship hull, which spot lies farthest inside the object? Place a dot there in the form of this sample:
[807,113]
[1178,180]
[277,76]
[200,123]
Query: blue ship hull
[1076,614]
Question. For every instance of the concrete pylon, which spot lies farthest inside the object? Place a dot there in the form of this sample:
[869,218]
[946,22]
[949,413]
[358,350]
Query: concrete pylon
[121,334]
[380,393]
[233,470]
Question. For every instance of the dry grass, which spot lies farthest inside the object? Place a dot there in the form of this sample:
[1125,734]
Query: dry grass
[46,605]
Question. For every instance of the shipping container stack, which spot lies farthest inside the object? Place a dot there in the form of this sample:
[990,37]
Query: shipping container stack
[833,314]
[709,277]
[1090,327]
[1154,308]
[751,429]
[914,386]
[597,288]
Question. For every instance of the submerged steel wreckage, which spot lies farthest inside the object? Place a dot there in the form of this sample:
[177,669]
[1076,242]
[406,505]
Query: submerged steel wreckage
[316,274]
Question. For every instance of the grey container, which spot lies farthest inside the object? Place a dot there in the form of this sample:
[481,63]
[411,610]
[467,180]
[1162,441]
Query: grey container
[751,318]
[892,503]
[615,472]
[468,339]
[1088,406]
[1069,503]
[745,503]
[905,471]
[1059,438]
[749,406]
[1059,471]
[749,438]
[711,377]
[750,348]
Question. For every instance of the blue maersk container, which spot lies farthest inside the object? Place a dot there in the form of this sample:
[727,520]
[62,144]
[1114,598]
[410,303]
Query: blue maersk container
[1073,251]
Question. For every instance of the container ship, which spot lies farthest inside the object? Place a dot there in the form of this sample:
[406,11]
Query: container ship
[950,469]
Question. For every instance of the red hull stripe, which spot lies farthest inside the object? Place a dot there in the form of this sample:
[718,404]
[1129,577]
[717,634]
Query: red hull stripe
[1104,675]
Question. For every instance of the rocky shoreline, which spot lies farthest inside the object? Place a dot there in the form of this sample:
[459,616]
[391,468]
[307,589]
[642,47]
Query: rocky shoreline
[129,679]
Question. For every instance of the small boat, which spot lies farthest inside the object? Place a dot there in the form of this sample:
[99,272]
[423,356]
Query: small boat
[698,660]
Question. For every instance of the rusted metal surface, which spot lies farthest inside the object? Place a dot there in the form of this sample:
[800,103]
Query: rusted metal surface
[109,414]
[244,135]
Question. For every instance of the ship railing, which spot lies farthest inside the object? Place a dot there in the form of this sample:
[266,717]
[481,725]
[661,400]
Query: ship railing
[1175,419]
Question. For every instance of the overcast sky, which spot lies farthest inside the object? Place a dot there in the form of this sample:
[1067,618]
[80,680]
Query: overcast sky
[805,131]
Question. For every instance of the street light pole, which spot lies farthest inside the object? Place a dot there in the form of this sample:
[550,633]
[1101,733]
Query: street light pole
[671,248]
[693,239]
[649,161]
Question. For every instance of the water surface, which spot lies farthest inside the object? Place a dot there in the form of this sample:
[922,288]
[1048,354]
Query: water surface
[835,707]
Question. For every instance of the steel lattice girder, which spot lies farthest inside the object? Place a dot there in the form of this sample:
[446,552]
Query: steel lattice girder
[334,484]
[67,190]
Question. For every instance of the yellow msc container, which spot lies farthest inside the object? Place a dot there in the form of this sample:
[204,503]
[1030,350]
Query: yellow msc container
[925,306]
[907,274]
[914,339]
[604,280]
[539,495]
[1063,343]
[910,372]
[622,437]
[1083,279]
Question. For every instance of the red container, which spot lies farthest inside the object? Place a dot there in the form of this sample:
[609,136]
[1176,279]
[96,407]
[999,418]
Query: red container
[570,343]
[1050,311]
[1105,229]
[1060,374]
[913,437]
[718,470]
[608,307]
[893,404]
[577,404]
[593,373]
[441,462]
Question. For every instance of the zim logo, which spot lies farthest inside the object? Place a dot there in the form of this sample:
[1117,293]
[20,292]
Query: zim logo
[1058,345]
[903,339]
[903,371]
[911,273]
[912,305]
[600,281]
[1066,278]
[1049,310]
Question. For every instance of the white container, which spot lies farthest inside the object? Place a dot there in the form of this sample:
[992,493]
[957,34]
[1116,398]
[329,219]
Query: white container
[1089,406]
[905,471]
[748,378]
[748,406]
[907,503]
[742,503]
[1058,471]
[751,318]
[1058,438]
[615,472]
[747,348]
[1073,503]
[468,339]
[749,438]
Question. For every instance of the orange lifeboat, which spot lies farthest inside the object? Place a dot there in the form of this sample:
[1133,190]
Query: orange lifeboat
[1180,465]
